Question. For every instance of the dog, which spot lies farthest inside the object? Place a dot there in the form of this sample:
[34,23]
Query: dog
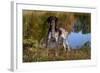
[56,35]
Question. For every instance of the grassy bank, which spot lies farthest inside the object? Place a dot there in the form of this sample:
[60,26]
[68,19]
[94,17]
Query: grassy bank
[40,54]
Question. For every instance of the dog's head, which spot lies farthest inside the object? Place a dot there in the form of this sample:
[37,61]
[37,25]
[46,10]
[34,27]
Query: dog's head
[52,20]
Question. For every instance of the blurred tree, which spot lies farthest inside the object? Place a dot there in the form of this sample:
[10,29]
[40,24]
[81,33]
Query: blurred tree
[83,22]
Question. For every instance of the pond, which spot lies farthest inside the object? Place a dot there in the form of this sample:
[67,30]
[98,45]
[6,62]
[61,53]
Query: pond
[77,40]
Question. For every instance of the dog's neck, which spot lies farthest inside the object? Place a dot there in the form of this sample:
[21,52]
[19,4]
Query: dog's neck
[53,29]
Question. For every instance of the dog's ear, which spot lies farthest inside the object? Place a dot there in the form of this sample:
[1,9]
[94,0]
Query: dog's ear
[49,19]
[56,19]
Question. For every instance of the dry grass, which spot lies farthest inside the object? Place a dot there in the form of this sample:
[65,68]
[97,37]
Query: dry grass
[37,55]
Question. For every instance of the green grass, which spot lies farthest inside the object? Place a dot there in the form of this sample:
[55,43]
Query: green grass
[39,54]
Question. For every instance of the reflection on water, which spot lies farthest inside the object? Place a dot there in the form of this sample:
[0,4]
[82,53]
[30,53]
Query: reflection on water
[77,40]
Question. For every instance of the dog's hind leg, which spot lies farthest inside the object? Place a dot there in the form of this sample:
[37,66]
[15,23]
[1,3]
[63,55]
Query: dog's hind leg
[64,45]
[68,46]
